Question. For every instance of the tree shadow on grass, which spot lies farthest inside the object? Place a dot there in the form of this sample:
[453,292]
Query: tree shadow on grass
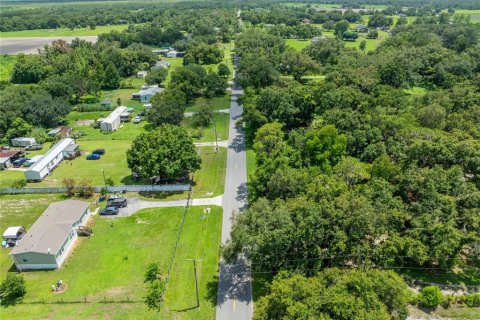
[212,291]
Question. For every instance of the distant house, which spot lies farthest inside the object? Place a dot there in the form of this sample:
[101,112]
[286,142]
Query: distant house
[112,122]
[161,52]
[361,29]
[63,131]
[402,15]
[145,95]
[306,21]
[172,54]
[317,39]
[141,74]
[106,103]
[51,237]
[49,161]
[23,142]
[161,64]
[7,157]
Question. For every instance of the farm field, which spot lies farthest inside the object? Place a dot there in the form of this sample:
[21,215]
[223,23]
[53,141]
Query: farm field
[116,257]
[63,32]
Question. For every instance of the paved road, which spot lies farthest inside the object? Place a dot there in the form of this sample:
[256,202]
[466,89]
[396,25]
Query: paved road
[234,299]
[32,44]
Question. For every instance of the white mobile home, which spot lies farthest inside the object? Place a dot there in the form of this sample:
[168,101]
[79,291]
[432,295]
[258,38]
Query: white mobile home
[51,237]
[112,122]
[23,142]
[49,161]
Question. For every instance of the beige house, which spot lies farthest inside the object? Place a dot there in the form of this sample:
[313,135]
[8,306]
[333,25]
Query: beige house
[51,237]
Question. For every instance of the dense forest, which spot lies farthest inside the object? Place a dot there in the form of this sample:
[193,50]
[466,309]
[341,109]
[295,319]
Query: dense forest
[353,171]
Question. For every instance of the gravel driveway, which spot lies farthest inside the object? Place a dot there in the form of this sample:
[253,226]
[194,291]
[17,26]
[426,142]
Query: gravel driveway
[135,204]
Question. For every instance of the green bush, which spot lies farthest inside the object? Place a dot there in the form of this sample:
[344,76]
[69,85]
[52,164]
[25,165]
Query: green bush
[18,183]
[471,300]
[431,296]
[12,289]
[96,107]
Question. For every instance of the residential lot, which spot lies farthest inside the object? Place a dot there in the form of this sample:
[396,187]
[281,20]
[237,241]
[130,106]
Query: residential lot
[107,268]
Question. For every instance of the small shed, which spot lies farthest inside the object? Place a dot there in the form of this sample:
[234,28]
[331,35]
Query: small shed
[161,64]
[5,162]
[23,142]
[361,29]
[7,157]
[12,235]
[141,74]
[71,151]
[172,54]
[125,117]
[106,103]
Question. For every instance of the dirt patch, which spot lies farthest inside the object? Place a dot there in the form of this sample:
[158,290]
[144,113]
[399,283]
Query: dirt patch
[62,290]
[84,122]
[117,291]
[140,221]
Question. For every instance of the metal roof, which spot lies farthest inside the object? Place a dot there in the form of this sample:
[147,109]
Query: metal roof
[115,114]
[11,232]
[52,228]
[52,153]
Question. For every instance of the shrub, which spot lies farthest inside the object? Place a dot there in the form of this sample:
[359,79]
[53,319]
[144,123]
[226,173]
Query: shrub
[69,183]
[18,183]
[84,189]
[97,107]
[471,300]
[12,289]
[431,296]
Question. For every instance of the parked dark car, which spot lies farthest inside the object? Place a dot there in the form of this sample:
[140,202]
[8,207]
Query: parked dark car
[99,151]
[93,156]
[109,211]
[119,203]
[34,147]
[18,163]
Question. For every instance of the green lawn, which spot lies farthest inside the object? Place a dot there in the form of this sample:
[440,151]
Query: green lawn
[221,120]
[372,44]
[114,164]
[474,14]
[62,32]
[297,44]
[216,103]
[6,66]
[110,265]
[210,179]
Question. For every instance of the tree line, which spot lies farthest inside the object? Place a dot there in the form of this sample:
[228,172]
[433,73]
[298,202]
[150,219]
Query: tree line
[355,171]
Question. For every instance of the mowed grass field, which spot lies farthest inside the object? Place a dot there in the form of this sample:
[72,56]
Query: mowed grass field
[372,44]
[63,32]
[110,265]
[6,66]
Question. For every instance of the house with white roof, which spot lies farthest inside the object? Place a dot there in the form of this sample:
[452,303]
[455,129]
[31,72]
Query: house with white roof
[49,161]
[112,122]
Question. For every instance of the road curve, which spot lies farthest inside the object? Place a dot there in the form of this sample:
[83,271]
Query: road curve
[30,45]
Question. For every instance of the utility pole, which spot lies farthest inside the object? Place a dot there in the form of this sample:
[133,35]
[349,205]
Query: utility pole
[104,180]
[215,129]
[196,281]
